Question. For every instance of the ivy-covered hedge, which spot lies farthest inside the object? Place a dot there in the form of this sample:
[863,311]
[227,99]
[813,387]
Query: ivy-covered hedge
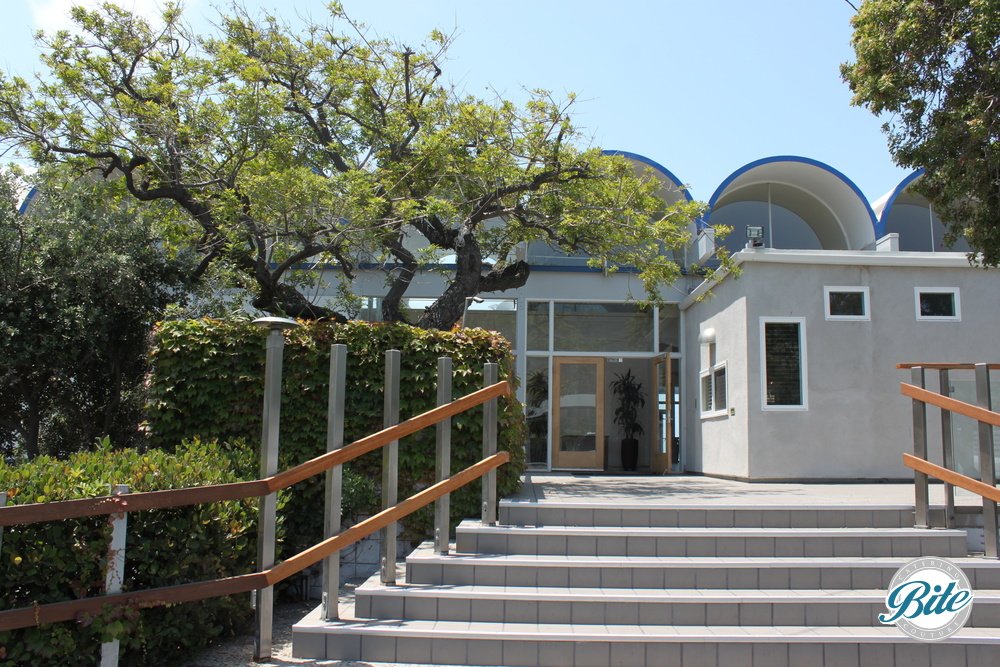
[56,561]
[208,380]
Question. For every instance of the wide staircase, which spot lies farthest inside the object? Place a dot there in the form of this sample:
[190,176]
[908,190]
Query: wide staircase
[570,583]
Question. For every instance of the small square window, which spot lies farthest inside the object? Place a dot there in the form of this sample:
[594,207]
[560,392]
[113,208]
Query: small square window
[938,303]
[846,303]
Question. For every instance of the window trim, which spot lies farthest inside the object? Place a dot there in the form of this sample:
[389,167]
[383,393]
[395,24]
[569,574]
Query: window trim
[710,374]
[956,297]
[866,300]
[803,365]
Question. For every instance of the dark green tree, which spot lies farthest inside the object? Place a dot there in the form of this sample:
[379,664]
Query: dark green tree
[81,281]
[932,67]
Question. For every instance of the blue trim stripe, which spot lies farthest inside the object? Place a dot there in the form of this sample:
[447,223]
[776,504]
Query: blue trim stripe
[655,165]
[883,220]
[32,193]
[719,191]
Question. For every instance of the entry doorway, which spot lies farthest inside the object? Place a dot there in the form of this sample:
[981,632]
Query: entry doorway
[665,456]
[578,441]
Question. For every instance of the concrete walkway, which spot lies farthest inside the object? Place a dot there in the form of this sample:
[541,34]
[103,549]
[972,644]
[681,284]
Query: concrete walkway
[709,491]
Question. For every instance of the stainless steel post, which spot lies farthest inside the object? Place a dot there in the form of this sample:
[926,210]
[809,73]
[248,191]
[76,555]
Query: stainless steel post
[920,451]
[114,571]
[334,479]
[442,457]
[263,600]
[390,466]
[490,448]
[3,503]
[947,449]
[987,465]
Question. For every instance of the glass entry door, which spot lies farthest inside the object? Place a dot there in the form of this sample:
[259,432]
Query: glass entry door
[578,413]
[663,403]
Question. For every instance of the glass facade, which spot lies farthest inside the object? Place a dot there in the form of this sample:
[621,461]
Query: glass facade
[599,327]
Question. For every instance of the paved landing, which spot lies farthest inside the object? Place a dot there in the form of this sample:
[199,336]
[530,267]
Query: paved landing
[710,491]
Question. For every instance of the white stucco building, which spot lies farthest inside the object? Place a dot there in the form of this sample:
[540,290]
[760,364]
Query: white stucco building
[786,372]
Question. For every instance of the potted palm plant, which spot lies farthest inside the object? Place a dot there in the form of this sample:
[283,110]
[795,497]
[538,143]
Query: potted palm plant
[631,399]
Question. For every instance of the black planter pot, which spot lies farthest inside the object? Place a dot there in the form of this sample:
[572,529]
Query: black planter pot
[630,453]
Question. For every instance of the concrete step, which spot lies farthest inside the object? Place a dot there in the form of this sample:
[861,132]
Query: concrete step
[582,645]
[642,607]
[563,513]
[474,537]
[424,566]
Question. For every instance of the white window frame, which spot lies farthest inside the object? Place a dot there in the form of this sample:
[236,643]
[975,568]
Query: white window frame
[803,365]
[956,296]
[710,374]
[865,299]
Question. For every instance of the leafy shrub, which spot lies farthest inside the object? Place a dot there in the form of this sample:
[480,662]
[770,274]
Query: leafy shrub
[55,561]
[207,381]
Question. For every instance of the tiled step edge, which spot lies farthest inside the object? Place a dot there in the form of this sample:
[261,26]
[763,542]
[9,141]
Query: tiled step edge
[440,642]
[682,607]
[425,566]
[474,537]
[674,514]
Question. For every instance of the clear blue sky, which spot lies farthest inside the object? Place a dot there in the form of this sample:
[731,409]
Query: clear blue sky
[702,86]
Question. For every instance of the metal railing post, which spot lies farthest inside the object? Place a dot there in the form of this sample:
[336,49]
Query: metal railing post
[987,465]
[442,458]
[920,486]
[390,466]
[263,599]
[490,448]
[334,479]
[114,571]
[947,449]
[3,503]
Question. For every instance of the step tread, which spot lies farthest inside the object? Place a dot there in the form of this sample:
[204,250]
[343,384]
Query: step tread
[611,633]
[698,504]
[428,555]
[984,596]
[471,526]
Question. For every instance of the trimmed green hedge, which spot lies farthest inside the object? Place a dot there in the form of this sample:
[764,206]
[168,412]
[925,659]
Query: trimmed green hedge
[56,561]
[208,379]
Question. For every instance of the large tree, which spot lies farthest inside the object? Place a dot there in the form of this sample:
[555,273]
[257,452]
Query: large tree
[933,67]
[278,149]
[82,279]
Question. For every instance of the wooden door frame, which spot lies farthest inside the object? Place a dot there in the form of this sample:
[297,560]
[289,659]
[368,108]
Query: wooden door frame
[567,460]
[661,462]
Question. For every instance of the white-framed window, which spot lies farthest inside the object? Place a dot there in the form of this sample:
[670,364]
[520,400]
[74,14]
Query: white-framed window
[846,303]
[714,391]
[938,304]
[783,377]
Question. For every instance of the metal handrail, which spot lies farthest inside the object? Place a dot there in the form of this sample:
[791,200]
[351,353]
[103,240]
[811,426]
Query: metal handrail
[66,611]
[923,469]
[329,463]
[12,515]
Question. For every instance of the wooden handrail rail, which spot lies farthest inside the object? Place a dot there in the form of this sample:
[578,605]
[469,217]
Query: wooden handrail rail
[944,366]
[950,404]
[24,617]
[952,477]
[71,509]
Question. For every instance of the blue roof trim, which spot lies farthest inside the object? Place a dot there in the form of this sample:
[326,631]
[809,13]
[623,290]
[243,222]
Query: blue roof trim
[898,190]
[23,208]
[788,158]
[655,165]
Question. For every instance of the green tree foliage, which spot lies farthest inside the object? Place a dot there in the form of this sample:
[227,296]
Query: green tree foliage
[81,282]
[279,147]
[933,66]
[206,382]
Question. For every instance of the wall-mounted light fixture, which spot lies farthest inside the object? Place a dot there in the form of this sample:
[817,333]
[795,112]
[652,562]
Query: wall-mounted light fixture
[755,236]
